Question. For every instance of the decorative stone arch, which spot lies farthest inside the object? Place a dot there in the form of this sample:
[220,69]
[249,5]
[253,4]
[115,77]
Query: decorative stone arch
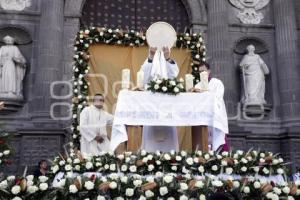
[195,8]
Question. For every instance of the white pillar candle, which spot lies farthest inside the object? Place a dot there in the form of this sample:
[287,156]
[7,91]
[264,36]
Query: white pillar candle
[189,82]
[125,78]
[204,80]
[140,80]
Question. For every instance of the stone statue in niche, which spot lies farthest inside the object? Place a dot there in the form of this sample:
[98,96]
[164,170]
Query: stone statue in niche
[254,71]
[12,70]
[17,5]
[248,10]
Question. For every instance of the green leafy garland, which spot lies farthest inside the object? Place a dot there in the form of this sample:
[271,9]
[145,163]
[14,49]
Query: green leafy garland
[193,42]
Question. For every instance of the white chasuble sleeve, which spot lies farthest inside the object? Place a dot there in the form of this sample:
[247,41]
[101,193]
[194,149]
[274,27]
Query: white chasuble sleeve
[172,70]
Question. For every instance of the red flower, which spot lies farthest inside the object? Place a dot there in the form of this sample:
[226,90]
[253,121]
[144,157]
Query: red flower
[2,141]
[93,177]
[8,162]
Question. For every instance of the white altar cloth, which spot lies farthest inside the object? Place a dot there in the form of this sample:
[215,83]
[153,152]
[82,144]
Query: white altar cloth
[157,109]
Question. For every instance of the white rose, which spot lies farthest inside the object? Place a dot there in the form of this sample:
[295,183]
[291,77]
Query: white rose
[16,189]
[30,177]
[275,162]
[150,168]
[89,185]
[168,178]
[217,183]
[170,198]
[150,157]
[228,170]
[163,191]
[206,156]
[3,184]
[286,190]
[176,90]
[199,184]
[124,179]
[236,184]
[112,167]
[201,169]
[43,186]
[214,168]
[189,161]
[244,169]
[224,163]
[266,171]
[89,165]
[149,194]
[219,157]
[6,152]
[55,169]
[257,185]
[77,167]
[174,168]
[262,155]
[178,158]
[202,197]
[277,190]
[99,197]
[16,198]
[32,189]
[280,171]
[73,189]
[132,168]
[239,152]
[43,179]
[113,185]
[159,174]
[290,198]
[280,160]
[124,168]
[246,190]
[11,178]
[172,83]
[114,176]
[68,167]
[183,186]
[183,197]
[167,157]
[129,192]
[137,183]
[145,160]
[256,169]
[244,160]
[158,162]
[156,86]
[164,88]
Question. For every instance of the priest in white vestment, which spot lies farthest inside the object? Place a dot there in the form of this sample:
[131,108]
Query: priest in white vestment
[217,138]
[93,123]
[159,65]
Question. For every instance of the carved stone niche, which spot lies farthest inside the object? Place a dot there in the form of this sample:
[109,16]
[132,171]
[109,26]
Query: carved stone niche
[251,110]
[15,54]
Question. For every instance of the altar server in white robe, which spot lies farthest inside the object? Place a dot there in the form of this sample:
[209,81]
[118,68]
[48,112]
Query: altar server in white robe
[217,139]
[93,123]
[159,65]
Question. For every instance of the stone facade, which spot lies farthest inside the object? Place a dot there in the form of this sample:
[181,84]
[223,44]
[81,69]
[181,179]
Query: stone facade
[52,26]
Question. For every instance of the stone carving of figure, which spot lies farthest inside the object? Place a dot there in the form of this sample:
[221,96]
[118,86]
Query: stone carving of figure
[12,69]
[254,70]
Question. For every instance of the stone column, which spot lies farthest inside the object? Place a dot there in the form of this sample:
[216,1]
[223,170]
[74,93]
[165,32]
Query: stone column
[49,56]
[219,54]
[287,62]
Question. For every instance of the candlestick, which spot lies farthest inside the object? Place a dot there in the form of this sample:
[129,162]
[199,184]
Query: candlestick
[140,80]
[204,80]
[189,78]
[125,78]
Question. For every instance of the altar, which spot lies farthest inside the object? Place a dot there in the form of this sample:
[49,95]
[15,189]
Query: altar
[143,108]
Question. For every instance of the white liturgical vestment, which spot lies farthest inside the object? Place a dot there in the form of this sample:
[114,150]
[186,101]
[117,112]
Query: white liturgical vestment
[163,138]
[216,136]
[93,122]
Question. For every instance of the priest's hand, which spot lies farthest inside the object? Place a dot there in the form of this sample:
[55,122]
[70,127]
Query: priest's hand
[167,52]
[196,90]
[99,139]
[152,51]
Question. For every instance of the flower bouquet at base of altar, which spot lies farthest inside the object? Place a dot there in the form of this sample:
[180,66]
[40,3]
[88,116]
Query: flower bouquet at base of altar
[166,86]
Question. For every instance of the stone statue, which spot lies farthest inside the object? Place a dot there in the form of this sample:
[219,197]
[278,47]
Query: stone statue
[254,70]
[248,10]
[12,69]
